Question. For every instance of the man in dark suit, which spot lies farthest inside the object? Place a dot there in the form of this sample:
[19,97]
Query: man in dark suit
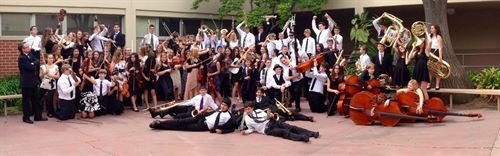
[382,61]
[219,122]
[330,55]
[263,102]
[260,38]
[118,38]
[28,66]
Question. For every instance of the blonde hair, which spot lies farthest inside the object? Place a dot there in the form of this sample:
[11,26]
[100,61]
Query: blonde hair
[370,66]
[413,82]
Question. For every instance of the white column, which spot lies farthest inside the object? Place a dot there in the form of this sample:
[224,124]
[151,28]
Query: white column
[130,20]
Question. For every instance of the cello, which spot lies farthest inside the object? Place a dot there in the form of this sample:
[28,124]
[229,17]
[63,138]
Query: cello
[306,66]
[366,107]
[434,108]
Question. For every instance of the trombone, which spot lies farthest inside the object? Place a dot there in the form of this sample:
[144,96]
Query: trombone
[164,107]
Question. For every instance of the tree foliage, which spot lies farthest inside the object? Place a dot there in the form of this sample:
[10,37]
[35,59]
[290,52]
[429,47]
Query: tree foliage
[258,8]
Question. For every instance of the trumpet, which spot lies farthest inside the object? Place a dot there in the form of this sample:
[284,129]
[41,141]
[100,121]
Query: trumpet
[282,107]
[195,112]
[271,115]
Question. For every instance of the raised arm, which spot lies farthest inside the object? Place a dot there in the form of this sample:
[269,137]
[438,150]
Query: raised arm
[238,28]
[313,25]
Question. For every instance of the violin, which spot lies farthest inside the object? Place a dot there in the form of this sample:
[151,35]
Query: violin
[434,108]
[138,76]
[366,107]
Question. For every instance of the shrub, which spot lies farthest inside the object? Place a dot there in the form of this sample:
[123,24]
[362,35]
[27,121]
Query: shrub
[488,78]
[10,86]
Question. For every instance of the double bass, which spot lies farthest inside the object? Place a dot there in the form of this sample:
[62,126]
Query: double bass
[434,108]
[347,89]
[366,107]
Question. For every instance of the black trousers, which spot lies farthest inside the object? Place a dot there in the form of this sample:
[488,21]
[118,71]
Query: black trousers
[316,102]
[115,106]
[270,94]
[48,99]
[294,116]
[286,131]
[186,124]
[180,112]
[31,103]
[295,92]
[276,94]
[66,109]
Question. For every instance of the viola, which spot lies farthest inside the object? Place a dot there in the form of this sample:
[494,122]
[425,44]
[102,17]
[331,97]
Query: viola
[366,107]
[434,108]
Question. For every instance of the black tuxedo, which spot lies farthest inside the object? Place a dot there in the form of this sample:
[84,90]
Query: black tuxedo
[120,41]
[363,77]
[262,38]
[266,102]
[330,57]
[28,71]
[196,123]
[384,67]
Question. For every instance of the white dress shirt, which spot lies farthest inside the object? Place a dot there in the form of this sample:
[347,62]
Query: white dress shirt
[147,40]
[271,46]
[206,41]
[232,44]
[97,40]
[318,80]
[35,42]
[66,88]
[208,101]
[247,39]
[223,118]
[322,35]
[256,122]
[365,60]
[105,85]
[309,45]
[275,85]
[339,40]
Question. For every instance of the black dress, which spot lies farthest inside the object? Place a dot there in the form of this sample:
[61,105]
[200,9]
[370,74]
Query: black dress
[332,97]
[166,84]
[212,68]
[148,65]
[401,74]
[248,87]
[133,79]
[421,72]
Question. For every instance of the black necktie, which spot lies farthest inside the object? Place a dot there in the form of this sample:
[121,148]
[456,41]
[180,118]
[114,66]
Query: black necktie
[244,40]
[152,41]
[314,83]
[100,89]
[307,43]
[319,35]
[265,76]
[102,46]
[71,93]
[216,125]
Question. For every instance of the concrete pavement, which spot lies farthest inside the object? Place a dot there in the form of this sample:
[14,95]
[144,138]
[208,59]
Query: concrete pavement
[129,134]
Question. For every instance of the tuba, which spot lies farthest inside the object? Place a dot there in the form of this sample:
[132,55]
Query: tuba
[441,70]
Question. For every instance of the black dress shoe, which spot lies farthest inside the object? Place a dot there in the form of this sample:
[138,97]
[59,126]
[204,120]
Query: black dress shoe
[50,115]
[163,114]
[41,119]
[28,121]
[153,112]
[154,124]
[316,135]
[437,88]
[305,138]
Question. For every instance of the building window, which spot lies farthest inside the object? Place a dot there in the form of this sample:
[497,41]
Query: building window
[45,20]
[15,24]
[85,22]
[172,23]
[190,26]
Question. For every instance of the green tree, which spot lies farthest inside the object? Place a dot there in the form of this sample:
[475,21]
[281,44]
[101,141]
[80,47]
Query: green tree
[258,8]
